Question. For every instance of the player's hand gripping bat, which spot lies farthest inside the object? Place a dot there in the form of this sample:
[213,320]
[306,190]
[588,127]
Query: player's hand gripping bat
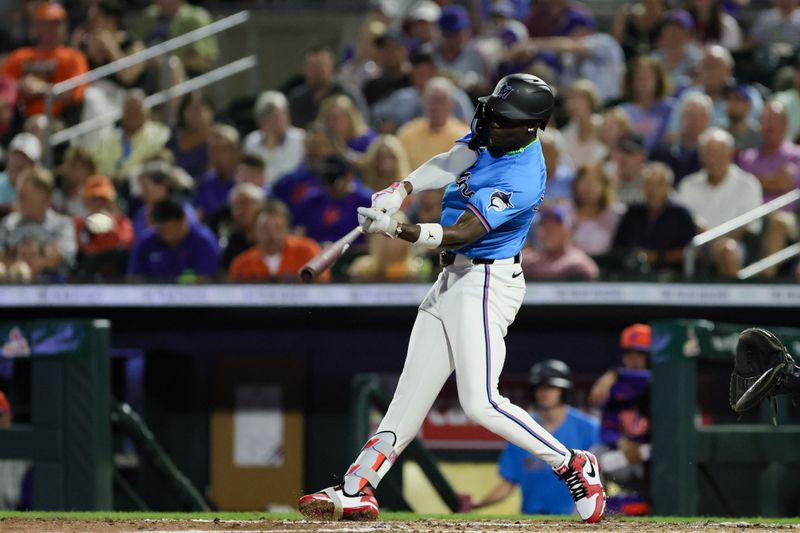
[327,257]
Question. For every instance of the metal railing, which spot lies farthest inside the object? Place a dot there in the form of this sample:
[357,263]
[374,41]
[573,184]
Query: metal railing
[690,253]
[136,58]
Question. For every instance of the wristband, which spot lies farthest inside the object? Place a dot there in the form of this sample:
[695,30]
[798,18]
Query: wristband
[430,236]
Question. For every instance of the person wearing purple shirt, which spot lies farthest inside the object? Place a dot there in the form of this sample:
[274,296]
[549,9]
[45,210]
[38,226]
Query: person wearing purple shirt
[174,249]
[776,164]
[223,157]
[328,211]
[189,140]
[645,89]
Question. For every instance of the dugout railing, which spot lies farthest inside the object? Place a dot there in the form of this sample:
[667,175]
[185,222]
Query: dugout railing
[700,467]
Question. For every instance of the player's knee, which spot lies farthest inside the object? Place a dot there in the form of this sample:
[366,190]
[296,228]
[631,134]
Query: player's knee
[476,409]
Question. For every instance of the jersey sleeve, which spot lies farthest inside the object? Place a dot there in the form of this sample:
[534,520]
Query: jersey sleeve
[494,206]
[508,466]
[464,139]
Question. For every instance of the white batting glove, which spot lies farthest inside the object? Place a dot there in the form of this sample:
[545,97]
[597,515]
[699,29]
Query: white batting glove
[375,221]
[390,199]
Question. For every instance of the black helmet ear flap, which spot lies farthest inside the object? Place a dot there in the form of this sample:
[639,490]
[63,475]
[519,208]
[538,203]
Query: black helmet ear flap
[479,128]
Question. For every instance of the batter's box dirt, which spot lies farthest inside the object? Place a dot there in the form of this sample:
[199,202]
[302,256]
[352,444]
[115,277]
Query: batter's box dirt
[39,525]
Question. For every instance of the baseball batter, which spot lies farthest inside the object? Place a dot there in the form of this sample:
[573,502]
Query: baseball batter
[495,179]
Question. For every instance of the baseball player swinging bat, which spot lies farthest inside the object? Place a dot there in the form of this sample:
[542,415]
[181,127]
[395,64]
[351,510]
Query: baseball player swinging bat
[327,257]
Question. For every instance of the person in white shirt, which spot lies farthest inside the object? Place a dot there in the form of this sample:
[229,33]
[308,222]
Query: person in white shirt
[276,141]
[719,192]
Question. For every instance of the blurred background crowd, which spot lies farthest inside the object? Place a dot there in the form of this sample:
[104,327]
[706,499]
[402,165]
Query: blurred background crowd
[672,118]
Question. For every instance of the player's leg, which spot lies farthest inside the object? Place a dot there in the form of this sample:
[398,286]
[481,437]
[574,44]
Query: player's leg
[428,365]
[476,320]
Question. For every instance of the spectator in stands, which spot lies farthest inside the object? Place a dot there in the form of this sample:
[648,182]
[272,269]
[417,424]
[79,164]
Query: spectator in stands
[388,260]
[555,257]
[551,388]
[776,164]
[636,26]
[745,129]
[167,19]
[712,24]
[434,133]
[24,152]
[175,249]
[239,233]
[276,141]
[616,123]
[136,140]
[47,62]
[292,188]
[682,156]
[426,207]
[103,228]
[406,104]
[189,141]
[790,99]
[585,53]
[629,157]
[78,165]
[35,234]
[658,229]
[277,255]
[8,107]
[328,212]
[777,26]
[645,92]
[319,83]
[676,50]
[457,55]
[596,212]
[384,163]
[347,125]
[624,393]
[249,170]
[424,23]
[224,155]
[714,75]
[582,132]
[548,18]
[392,58]
[157,180]
[719,192]
[560,170]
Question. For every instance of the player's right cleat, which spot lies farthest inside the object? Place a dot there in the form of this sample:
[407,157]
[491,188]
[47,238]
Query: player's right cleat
[333,504]
[582,476]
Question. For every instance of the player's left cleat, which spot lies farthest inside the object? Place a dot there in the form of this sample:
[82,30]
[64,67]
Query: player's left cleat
[582,476]
[333,504]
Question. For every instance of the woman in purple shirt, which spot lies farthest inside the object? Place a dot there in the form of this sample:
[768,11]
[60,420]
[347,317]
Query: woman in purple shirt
[343,119]
[189,141]
[645,91]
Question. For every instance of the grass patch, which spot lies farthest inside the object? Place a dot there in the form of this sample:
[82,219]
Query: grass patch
[104,515]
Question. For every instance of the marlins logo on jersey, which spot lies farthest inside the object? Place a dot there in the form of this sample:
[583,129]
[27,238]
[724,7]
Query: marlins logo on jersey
[500,200]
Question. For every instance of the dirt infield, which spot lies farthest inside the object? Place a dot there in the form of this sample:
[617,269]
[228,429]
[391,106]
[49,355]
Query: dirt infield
[40,525]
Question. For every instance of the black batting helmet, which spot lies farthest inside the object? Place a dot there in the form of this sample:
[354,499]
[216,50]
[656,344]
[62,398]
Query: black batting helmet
[520,98]
[551,372]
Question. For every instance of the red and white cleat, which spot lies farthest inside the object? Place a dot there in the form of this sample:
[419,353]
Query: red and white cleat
[582,476]
[333,504]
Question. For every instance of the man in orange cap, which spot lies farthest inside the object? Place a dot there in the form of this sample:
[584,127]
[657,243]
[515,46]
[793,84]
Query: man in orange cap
[47,62]
[104,228]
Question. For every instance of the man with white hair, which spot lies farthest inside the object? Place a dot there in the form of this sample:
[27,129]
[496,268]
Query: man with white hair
[715,76]
[276,141]
[24,151]
[432,134]
[681,155]
[239,232]
[718,193]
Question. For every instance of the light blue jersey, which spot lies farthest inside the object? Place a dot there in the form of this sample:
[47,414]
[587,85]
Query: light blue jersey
[503,192]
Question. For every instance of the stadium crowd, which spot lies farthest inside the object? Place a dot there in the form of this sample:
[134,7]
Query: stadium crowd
[673,119]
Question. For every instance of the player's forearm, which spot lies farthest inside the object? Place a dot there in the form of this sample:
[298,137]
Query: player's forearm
[466,230]
[452,237]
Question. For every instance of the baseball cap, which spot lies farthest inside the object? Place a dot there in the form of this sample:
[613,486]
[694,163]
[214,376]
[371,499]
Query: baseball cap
[28,144]
[389,36]
[577,18]
[99,187]
[740,90]
[554,212]
[387,7]
[454,19]
[422,54]
[631,142]
[334,167]
[679,17]
[513,32]
[636,337]
[502,8]
[426,10]
[48,12]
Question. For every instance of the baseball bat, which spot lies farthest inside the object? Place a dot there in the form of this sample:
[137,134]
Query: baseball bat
[327,257]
